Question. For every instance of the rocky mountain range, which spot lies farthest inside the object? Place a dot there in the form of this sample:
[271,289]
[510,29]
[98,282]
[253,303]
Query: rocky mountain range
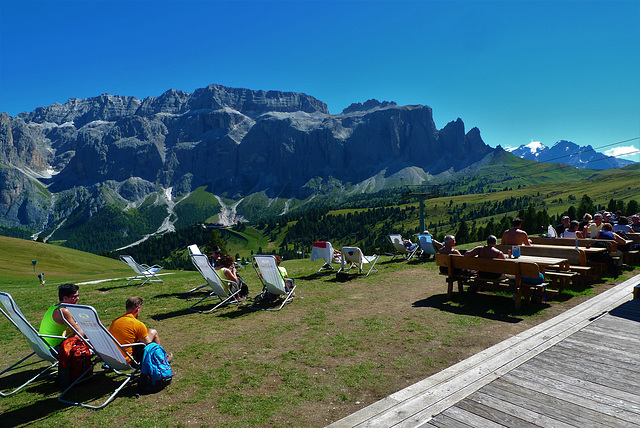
[569,153]
[62,165]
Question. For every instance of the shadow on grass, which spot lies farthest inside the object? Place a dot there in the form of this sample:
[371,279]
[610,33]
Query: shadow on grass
[95,390]
[489,306]
[316,275]
[228,311]
[32,413]
[116,287]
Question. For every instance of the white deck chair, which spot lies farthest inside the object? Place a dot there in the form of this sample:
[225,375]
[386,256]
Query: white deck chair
[351,255]
[220,288]
[426,244]
[39,346]
[272,281]
[194,249]
[401,250]
[105,347]
[323,250]
[148,273]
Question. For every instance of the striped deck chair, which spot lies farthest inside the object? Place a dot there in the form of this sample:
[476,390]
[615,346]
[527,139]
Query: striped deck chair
[143,272]
[40,347]
[106,349]
[273,284]
[322,250]
[353,256]
[222,289]
[401,250]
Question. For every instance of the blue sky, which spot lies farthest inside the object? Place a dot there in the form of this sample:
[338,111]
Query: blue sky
[520,71]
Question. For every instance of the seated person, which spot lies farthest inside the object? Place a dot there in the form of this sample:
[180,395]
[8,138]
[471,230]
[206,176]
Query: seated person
[214,260]
[410,246]
[488,251]
[52,323]
[607,233]
[635,223]
[228,271]
[622,225]
[565,222]
[128,329]
[595,227]
[572,231]
[288,282]
[515,236]
[584,223]
[447,248]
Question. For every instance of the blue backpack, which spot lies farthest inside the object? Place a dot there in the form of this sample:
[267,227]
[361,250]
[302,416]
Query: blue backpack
[155,369]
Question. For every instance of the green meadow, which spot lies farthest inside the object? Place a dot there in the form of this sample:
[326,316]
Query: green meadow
[336,348]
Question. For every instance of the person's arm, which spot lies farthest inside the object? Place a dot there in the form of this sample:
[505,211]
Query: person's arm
[69,319]
[473,252]
[501,255]
[526,240]
[619,239]
[231,275]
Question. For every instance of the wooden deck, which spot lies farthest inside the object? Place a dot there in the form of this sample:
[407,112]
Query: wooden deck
[579,369]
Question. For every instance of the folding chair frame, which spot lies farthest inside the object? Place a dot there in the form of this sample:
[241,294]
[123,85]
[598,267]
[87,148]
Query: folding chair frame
[266,292]
[367,259]
[51,357]
[98,358]
[225,284]
[407,254]
[143,271]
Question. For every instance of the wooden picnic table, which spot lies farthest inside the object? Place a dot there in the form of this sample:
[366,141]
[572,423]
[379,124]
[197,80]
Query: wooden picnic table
[589,250]
[543,262]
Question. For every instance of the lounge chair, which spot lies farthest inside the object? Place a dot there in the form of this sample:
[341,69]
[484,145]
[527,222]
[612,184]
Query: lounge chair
[401,250]
[272,281]
[194,249]
[353,256]
[106,349]
[323,250]
[148,273]
[427,247]
[39,346]
[220,288]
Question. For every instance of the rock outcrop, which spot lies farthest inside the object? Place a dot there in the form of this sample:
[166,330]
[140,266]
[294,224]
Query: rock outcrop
[235,141]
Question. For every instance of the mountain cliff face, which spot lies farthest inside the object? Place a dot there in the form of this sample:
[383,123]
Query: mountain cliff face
[237,142]
[569,153]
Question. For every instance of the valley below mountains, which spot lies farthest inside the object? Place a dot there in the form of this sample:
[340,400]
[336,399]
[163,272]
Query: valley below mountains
[139,167]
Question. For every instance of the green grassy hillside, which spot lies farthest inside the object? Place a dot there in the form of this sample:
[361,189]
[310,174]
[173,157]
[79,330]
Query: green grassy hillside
[59,264]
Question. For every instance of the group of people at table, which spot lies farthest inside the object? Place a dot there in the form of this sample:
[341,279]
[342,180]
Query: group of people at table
[601,226]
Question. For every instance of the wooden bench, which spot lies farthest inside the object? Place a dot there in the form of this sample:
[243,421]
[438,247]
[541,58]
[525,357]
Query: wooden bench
[579,271]
[512,267]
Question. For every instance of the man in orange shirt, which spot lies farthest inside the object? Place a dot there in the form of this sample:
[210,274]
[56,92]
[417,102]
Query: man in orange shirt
[128,329]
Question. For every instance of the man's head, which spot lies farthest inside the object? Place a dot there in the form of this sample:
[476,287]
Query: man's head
[597,218]
[635,219]
[607,227]
[565,220]
[606,216]
[622,220]
[68,293]
[492,240]
[450,240]
[133,305]
[587,217]
[516,222]
[216,252]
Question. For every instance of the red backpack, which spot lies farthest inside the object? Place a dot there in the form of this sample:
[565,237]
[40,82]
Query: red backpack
[75,359]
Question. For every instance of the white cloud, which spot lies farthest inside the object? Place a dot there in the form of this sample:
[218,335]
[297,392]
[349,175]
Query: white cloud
[626,152]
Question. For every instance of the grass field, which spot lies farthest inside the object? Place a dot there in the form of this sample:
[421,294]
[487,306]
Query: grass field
[335,349]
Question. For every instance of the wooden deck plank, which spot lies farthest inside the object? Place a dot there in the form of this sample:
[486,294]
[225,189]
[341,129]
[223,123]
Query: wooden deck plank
[445,421]
[469,418]
[587,387]
[502,403]
[591,399]
[543,404]
[587,370]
